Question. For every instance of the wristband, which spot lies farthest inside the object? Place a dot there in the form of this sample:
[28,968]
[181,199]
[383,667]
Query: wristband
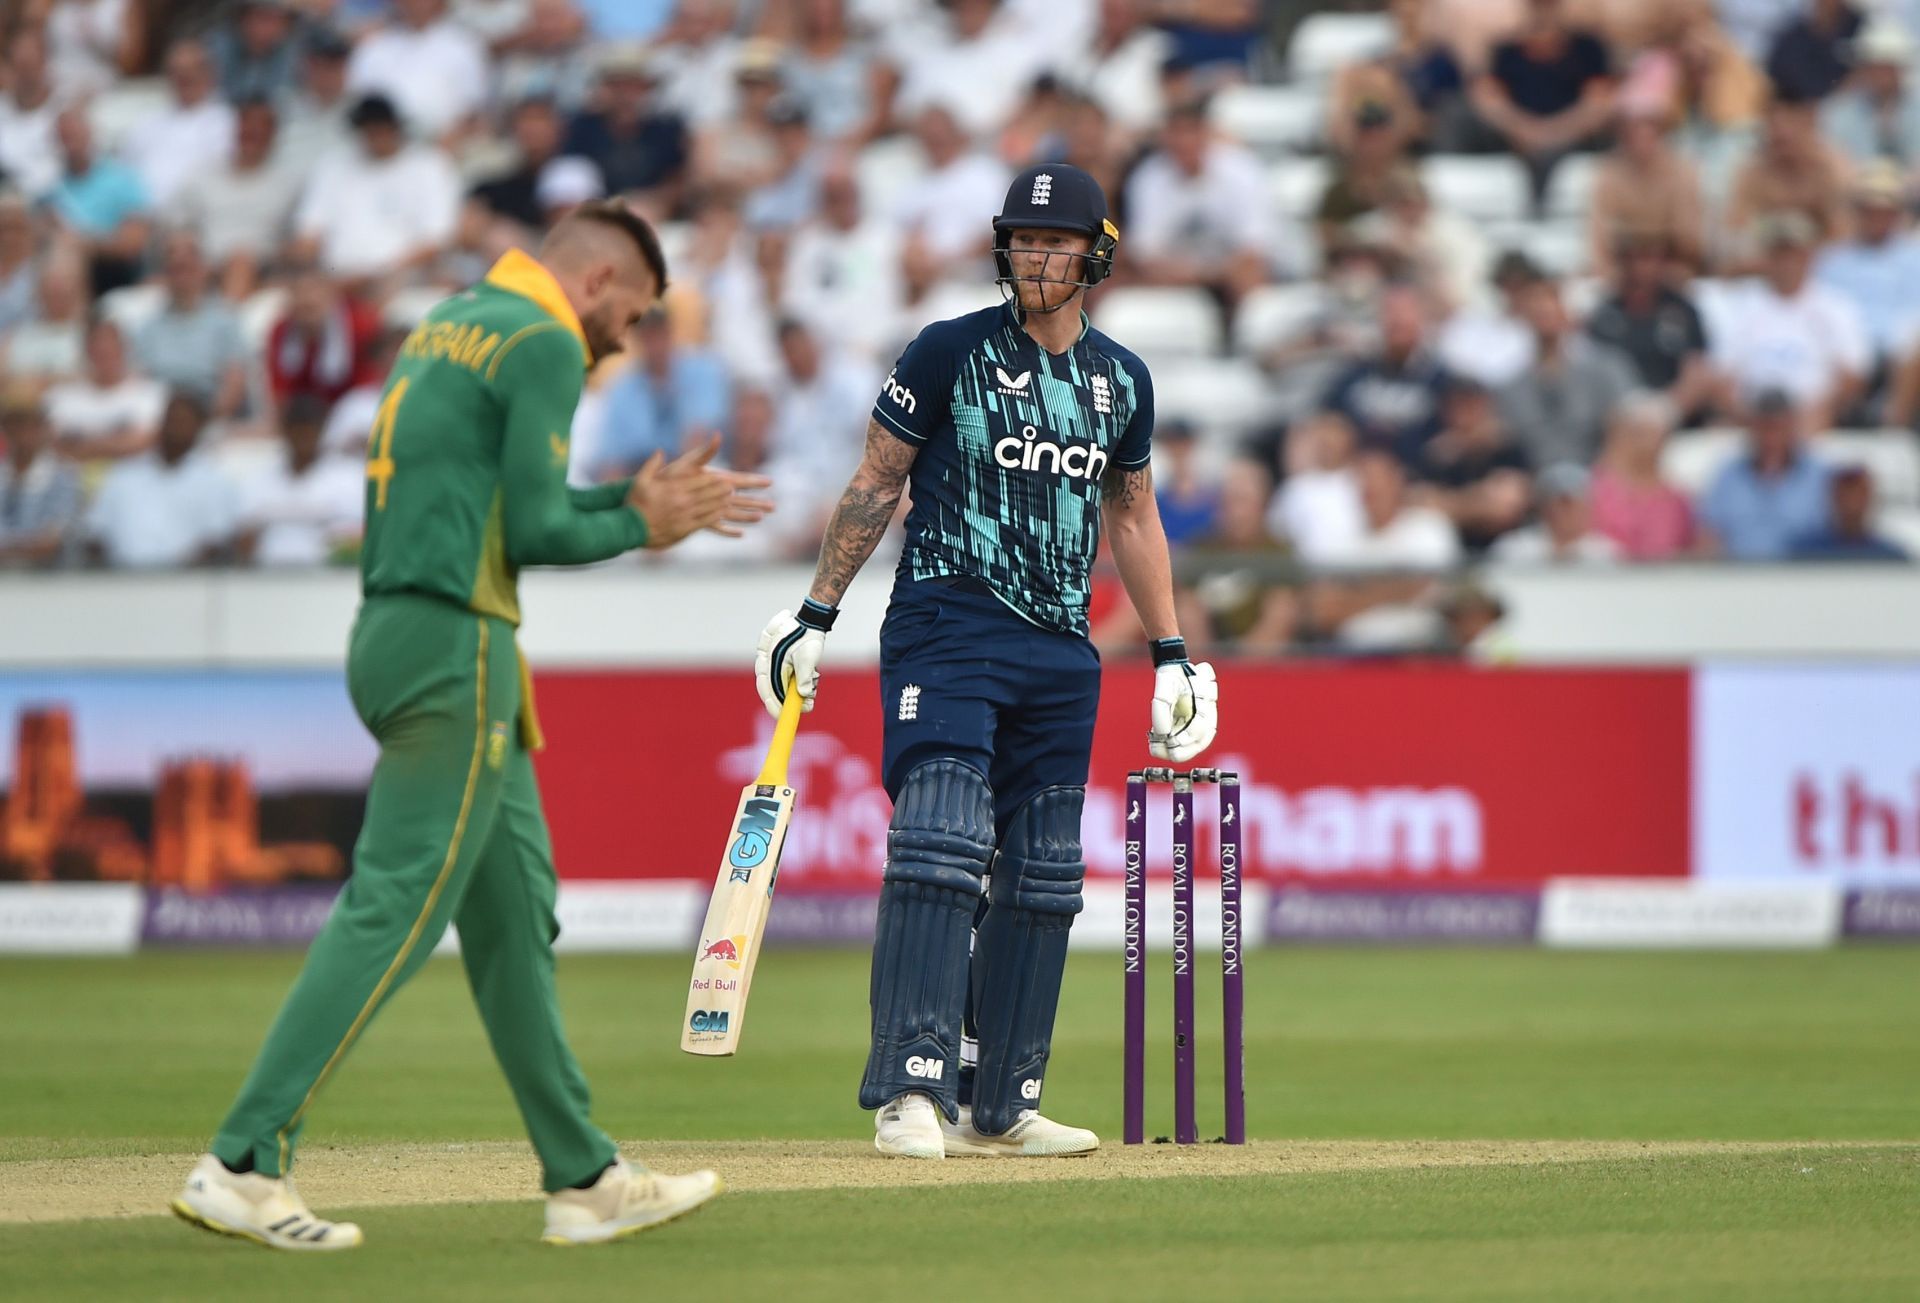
[1168,651]
[818,615]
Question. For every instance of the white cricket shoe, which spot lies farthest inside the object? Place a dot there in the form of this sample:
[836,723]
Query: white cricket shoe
[264,1209]
[624,1201]
[1031,1136]
[909,1127]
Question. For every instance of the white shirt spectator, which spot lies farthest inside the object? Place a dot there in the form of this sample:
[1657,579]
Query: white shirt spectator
[29,153]
[1319,512]
[241,211]
[1801,343]
[1126,80]
[435,76]
[846,284]
[84,39]
[1223,210]
[371,213]
[980,81]
[350,422]
[952,206]
[1490,346]
[1533,546]
[1419,539]
[176,145]
[48,350]
[85,411]
[825,422]
[148,514]
[303,519]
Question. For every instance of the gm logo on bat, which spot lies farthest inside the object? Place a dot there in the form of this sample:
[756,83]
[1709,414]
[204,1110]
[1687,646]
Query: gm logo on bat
[706,1020]
[752,837]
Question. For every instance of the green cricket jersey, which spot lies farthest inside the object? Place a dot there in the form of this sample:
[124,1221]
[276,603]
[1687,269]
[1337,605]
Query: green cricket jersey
[466,470]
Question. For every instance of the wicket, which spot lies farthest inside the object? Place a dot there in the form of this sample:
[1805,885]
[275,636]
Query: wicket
[1185,1125]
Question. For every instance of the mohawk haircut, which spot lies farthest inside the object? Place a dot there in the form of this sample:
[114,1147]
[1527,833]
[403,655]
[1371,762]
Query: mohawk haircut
[615,215]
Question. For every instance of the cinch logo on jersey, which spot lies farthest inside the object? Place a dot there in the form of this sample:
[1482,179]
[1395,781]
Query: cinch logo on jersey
[1028,452]
[901,395]
[929,1069]
[1030,1088]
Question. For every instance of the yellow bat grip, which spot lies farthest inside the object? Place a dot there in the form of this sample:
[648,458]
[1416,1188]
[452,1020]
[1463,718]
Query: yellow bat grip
[780,750]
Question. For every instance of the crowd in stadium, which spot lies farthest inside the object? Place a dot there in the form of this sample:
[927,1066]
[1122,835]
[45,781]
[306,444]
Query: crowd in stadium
[1539,281]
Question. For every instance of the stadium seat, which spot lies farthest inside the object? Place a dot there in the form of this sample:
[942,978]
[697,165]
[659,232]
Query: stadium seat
[1295,185]
[1693,457]
[1274,315]
[1325,43]
[1562,247]
[1271,119]
[1220,395]
[1570,189]
[133,306]
[1890,456]
[1478,188]
[1900,525]
[1158,322]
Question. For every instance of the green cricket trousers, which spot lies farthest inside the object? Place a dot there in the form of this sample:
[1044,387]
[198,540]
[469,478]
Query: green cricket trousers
[454,833]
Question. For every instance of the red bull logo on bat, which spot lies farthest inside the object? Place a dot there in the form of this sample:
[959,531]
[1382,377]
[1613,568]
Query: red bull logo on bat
[726,950]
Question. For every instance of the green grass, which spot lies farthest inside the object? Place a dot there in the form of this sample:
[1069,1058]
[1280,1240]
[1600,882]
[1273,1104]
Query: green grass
[140,1055]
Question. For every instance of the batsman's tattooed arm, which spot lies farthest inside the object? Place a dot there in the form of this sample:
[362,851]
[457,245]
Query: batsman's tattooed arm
[1139,545]
[865,511]
[1119,488]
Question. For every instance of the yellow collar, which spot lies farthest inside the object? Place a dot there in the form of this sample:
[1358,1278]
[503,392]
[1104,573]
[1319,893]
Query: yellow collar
[519,274]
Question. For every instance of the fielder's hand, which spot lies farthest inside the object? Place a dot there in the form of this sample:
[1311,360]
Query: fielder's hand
[681,496]
[792,644]
[1186,705]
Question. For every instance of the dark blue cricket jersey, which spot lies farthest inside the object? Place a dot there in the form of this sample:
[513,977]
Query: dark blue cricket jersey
[1013,443]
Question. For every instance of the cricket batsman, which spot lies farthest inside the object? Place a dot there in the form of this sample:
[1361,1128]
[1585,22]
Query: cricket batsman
[1022,431]
[466,484]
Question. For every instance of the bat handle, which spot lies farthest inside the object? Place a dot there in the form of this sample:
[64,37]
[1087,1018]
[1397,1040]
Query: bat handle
[774,772]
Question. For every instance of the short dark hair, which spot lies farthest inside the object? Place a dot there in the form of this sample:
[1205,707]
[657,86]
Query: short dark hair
[615,213]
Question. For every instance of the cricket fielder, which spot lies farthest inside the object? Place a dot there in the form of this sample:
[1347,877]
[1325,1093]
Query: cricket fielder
[466,483]
[1022,430]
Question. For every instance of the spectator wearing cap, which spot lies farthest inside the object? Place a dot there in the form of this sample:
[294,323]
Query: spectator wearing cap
[1189,497]
[831,71]
[194,345]
[1472,470]
[1849,534]
[1379,592]
[547,57]
[1813,53]
[322,346]
[39,495]
[381,210]
[168,508]
[640,146]
[1317,509]
[1235,584]
[110,412]
[1564,534]
[1445,253]
[1646,517]
[1877,269]
[536,128]
[91,44]
[306,507]
[667,398]
[1656,327]
[29,156]
[946,218]
[1774,494]
[792,194]
[1792,170]
[565,183]
[314,115]
[1558,407]
[1876,116]
[1393,398]
[173,147]
[1375,151]
[18,239]
[256,52]
[1647,190]
[698,56]
[739,150]
[50,344]
[433,70]
[1785,329]
[977,64]
[1200,212]
[1546,92]
[243,208]
[99,204]
[842,273]
[1420,77]
[1493,343]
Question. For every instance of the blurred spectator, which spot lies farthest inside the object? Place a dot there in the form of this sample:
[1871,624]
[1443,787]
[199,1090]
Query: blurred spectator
[1547,91]
[169,507]
[1784,330]
[627,20]
[1564,532]
[1446,254]
[738,149]
[1646,190]
[547,58]
[843,276]
[176,145]
[1393,398]
[99,203]
[1708,86]
[1812,54]
[1471,470]
[1558,407]
[1419,80]
[1471,619]
[314,120]
[1647,518]
[1087,140]
[28,155]
[1318,506]
[323,346]
[536,128]
[243,208]
[1401,547]
[1753,24]
[1213,40]
[1849,534]
[698,55]
[256,52]
[110,412]
[978,67]
[385,207]
[1376,149]
[194,343]
[947,216]
[306,508]
[1792,170]
[667,398]
[1234,585]
[821,404]
[350,421]
[720,275]
[1875,115]
[39,496]
[638,144]
[1189,499]
[91,44]
[51,343]
[790,195]
[1653,325]
[831,72]
[1494,344]
[565,183]
[1200,210]
[1119,70]
[1772,496]
[1877,271]
[432,69]
[17,266]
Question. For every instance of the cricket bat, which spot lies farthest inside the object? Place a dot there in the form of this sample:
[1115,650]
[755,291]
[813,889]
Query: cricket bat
[742,897]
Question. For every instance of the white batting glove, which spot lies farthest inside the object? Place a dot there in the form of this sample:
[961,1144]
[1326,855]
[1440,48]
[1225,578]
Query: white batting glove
[792,645]
[1186,705]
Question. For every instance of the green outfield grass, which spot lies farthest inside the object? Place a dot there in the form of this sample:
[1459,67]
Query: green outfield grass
[126,1057]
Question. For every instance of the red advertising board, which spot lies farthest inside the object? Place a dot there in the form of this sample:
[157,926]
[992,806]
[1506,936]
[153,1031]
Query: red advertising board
[1371,775]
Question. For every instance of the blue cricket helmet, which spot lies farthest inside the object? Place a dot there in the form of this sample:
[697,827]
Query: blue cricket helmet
[1061,197]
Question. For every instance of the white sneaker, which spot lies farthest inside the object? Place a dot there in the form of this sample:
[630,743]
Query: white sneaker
[1030,1136]
[909,1127]
[264,1209]
[624,1201]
